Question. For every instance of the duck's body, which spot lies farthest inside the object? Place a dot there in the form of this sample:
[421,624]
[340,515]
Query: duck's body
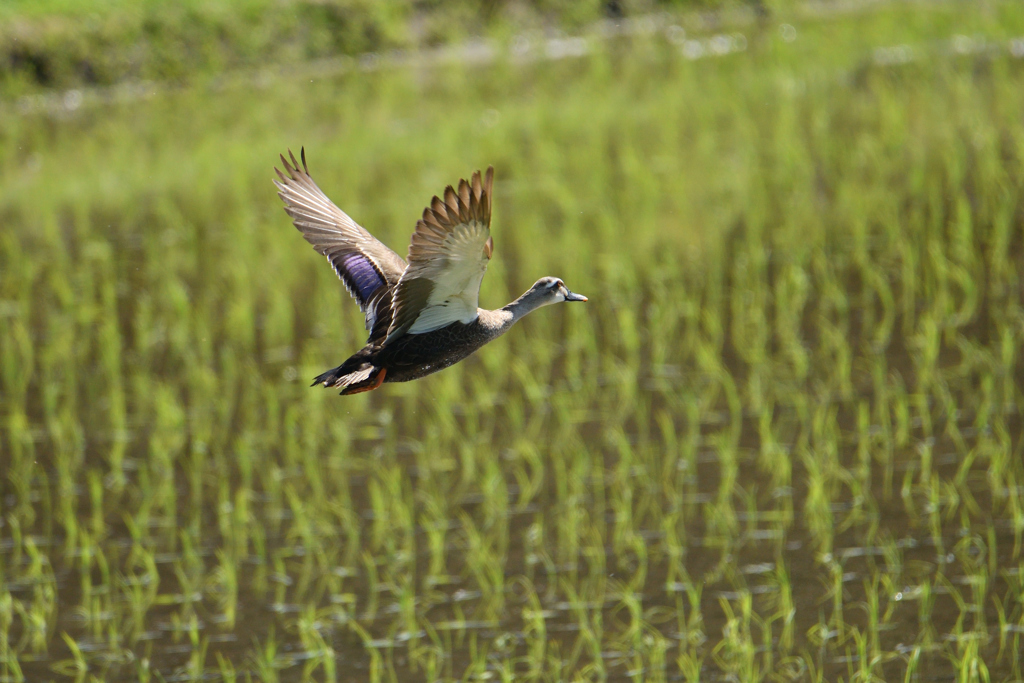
[412,356]
[422,315]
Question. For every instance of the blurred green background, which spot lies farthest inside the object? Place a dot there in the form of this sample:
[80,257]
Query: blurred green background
[783,440]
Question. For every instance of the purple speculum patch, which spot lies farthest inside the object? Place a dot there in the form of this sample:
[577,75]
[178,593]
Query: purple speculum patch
[362,276]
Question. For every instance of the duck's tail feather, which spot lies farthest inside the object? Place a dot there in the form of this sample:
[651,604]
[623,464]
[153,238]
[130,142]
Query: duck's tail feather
[352,377]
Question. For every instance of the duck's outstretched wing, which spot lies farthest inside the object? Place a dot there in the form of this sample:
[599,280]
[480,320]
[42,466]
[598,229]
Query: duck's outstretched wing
[369,270]
[447,259]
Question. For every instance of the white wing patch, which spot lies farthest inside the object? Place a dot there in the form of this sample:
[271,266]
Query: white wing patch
[456,273]
[447,259]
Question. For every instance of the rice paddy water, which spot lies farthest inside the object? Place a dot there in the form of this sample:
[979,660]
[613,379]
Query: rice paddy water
[783,441]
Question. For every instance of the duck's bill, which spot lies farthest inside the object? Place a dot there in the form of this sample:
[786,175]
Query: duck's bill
[573,296]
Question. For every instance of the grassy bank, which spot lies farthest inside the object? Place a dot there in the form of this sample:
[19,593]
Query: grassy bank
[61,44]
[783,440]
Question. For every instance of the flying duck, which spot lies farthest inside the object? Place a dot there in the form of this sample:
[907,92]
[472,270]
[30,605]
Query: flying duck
[422,315]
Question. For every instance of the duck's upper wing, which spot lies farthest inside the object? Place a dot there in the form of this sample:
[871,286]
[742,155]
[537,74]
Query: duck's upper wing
[447,259]
[369,269]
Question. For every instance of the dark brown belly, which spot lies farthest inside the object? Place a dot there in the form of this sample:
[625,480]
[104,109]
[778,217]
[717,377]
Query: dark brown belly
[417,355]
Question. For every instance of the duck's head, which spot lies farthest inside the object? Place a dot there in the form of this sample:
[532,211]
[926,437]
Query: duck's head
[551,290]
[545,291]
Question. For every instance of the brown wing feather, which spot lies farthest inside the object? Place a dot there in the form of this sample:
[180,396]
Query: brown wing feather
[448,228]
[369,270]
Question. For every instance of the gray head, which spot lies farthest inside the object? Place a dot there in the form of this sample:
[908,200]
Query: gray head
[551,290]
[547,290]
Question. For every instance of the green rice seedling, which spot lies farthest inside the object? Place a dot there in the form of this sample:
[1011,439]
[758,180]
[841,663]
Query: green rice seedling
[737,652]
[224,583]
[535,630]
[226,669]
[8,656]
[76,665]
[264,660]
[785,610]
[969,665]
[321,655]
[689,666]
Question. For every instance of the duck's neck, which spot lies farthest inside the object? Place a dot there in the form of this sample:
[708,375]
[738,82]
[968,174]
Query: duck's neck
[523,305]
